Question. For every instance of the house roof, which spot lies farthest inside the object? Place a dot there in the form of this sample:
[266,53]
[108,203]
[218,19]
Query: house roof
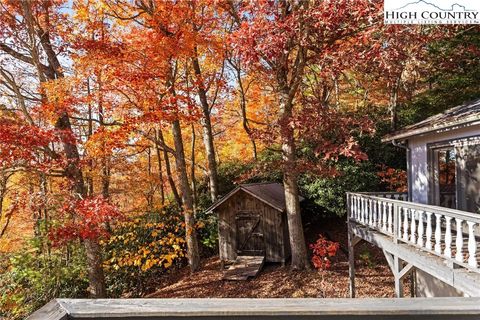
[467,114]
[272,194]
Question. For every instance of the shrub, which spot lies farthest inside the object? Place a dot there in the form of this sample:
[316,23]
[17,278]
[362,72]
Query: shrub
[141,249]
[32,277]
[329,193]
[322,251]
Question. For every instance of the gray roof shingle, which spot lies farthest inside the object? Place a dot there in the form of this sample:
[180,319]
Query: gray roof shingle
[272,194]
[464,115]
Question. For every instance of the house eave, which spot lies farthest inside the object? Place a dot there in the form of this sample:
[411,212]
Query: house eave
[406,133]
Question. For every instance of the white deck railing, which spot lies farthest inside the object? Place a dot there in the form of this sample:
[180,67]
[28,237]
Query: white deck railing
[448,233]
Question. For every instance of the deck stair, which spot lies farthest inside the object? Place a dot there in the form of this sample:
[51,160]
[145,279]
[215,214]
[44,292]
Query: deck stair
[244,267]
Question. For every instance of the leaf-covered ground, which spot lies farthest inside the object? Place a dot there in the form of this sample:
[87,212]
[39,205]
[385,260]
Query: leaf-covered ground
[374,278]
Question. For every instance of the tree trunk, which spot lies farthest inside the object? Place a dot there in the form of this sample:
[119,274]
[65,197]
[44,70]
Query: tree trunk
[72,170]
[160,170]
[192,170]
[96,276]
[95,272]
[393,105]
[295,227]
[207,133]
[169,171]
[187,199]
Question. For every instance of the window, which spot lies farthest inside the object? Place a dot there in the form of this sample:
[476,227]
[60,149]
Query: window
[455,179]
[445,185]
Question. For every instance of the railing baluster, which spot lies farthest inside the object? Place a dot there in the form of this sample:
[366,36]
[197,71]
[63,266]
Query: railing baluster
[362,219]
[472,245]
[429,231]
[420,228]
[399,221]
[374,212]
[438,233]
[357,208]
[390,218]
[405,224]
[459,240]
[384,216]
[448,237]
[370,212]
[413,227]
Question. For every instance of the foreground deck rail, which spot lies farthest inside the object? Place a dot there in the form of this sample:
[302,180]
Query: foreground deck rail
[294,309]
[451,236]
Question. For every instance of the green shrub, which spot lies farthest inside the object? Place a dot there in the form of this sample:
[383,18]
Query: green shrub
[32,277]
[330,193]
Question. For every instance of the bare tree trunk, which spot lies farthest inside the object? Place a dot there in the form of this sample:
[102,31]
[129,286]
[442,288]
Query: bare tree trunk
[187,199]
[169,171]
[393,105]
[192,170]
[160,170]
[207,133]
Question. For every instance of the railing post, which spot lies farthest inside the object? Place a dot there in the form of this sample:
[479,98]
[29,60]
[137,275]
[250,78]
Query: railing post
[349,209]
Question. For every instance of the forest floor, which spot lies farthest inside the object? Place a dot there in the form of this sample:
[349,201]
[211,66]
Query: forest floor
[373,276]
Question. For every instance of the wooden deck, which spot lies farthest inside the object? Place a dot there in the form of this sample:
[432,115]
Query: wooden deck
[442,242]
[283,309]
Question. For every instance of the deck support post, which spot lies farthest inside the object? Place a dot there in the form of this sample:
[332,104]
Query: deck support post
[352,241]
[400,272]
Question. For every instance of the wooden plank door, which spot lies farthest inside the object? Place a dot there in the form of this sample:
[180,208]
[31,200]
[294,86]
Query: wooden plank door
[250,239]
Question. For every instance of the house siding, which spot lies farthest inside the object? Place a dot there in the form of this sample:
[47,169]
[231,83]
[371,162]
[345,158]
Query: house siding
[419,158]
[427,285]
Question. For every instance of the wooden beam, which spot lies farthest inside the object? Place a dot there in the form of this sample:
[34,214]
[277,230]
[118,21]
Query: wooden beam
[406,271]
[277,308]
[467,282]
[397,265]
[389,258]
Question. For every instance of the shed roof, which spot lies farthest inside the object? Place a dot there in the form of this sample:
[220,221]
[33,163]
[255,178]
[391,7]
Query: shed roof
[272,194]
[467,114]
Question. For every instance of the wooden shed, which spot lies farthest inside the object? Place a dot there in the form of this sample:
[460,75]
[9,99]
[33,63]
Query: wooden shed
[252,221]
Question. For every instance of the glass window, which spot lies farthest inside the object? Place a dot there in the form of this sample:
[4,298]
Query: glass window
[469,178]
[446,177]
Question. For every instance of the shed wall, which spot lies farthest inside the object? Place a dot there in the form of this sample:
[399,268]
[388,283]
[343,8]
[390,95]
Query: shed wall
[271,225]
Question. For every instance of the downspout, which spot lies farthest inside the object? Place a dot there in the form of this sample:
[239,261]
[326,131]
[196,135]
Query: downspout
[409,160]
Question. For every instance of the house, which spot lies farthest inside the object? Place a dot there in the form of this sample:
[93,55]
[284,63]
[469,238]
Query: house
[444,158]
[435,234]
[252,221]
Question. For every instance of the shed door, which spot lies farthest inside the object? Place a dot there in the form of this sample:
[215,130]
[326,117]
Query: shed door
[249,235]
